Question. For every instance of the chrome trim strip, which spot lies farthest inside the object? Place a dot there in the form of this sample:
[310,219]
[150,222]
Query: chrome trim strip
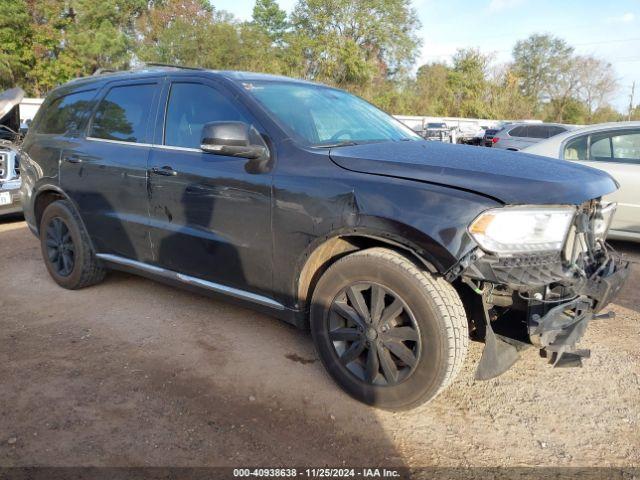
[119,142]
[214,287]
[148,145]
[180,149]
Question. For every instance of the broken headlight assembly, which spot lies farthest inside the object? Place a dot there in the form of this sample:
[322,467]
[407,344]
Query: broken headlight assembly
[602,220]
[513,230]
[548,268]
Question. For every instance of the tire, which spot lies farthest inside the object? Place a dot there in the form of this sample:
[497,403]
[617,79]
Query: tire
[83,269]
[432,326]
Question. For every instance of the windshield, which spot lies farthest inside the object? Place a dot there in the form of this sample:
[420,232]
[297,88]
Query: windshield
[324,117]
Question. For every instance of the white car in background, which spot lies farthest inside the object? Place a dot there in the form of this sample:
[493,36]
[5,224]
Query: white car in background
[614,148]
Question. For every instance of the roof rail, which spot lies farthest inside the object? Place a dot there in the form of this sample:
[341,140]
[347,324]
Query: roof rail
[100,71]
[157,64]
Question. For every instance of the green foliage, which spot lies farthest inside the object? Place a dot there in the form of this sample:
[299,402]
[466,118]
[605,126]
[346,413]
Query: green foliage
[270,19]
[538,61]
[15,32]
[353,42]
[368,47]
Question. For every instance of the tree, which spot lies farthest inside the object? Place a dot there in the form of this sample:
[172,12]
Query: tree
[16,56]
[99,36]
[352,41]
[505,99]
[468,83]
[432,93]
[538,61]
[270,19]
[597,84]
[188,32]
[605,113]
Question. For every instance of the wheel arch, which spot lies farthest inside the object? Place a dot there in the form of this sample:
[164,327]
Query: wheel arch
[322,253]
[45,196]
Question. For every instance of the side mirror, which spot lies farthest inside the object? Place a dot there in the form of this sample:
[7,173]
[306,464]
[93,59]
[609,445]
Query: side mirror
[234,139]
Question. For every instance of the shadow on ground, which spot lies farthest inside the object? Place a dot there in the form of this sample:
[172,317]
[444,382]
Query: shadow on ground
[134,373]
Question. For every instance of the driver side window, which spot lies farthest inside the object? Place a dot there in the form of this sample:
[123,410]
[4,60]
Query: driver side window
[190,107]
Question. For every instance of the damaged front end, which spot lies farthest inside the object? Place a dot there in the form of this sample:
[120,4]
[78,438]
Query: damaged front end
[544,299]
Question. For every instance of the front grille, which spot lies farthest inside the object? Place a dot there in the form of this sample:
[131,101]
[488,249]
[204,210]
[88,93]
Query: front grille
[4,160]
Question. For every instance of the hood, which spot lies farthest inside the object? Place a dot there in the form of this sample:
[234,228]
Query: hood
[509,177]
[9,99]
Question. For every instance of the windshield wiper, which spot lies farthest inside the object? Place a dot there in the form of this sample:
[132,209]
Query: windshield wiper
[343,143]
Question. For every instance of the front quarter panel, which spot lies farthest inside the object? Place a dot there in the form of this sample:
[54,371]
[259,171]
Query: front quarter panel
[315,200]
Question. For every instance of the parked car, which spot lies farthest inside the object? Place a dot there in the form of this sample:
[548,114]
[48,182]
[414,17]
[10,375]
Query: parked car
[310,204]
[470,133]
[10,135]
[487,138]
[614,148]
[517,136]
[438,131]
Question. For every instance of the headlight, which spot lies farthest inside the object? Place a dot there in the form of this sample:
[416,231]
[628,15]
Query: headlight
[522,229]
[602,221]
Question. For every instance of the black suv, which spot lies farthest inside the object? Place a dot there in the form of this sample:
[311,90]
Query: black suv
[309,203]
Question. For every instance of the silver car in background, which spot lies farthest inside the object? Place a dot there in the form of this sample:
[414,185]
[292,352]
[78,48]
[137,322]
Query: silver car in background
[614,148]
[517,136]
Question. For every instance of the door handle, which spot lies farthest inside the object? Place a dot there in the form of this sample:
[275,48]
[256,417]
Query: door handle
[165,171]
[73,158]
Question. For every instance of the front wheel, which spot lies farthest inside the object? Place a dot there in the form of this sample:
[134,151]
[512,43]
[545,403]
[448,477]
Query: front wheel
[389,334]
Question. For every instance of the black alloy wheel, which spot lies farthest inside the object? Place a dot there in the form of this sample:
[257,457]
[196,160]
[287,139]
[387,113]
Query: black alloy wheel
[60,247]
[374,334]
[66,249]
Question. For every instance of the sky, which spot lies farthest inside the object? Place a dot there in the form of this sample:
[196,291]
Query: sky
[606,29]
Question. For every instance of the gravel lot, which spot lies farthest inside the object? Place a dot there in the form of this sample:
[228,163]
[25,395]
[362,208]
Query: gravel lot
[134,373]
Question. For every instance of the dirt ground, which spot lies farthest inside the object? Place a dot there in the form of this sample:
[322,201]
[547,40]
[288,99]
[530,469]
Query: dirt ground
[134,373]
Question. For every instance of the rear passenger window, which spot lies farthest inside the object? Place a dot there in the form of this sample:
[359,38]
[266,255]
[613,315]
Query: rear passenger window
[518,132]
[555,131]
[64,114]
[538,131]
[618,146]
[123,113]
[191,106]
[601,147]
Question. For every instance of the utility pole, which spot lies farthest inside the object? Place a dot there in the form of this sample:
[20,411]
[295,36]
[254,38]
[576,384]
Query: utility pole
[633,89]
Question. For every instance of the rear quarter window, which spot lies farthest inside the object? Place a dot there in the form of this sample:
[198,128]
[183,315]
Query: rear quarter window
[577,149]
[65,113]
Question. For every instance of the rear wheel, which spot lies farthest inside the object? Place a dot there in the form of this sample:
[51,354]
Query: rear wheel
[389,334]
[66,249]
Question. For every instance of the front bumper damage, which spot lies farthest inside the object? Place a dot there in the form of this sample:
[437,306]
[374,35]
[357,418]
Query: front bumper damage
[557,331]
[542,300]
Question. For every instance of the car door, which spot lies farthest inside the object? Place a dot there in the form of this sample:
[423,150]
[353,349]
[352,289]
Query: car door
[210,215]
[105,173]
[616,152]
